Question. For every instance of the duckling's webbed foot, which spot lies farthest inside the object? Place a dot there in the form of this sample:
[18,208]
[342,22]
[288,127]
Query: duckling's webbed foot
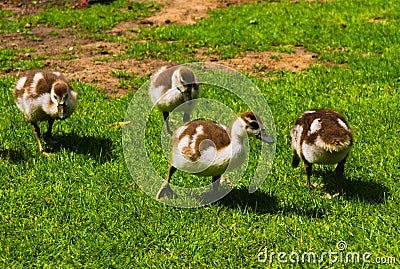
[48,154]
[166,190]
[224,179]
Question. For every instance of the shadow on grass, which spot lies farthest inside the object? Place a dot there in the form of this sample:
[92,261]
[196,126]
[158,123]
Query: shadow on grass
[354,189]
[15,156]
[366,191]
[258,202]
[262,203]
[100,149]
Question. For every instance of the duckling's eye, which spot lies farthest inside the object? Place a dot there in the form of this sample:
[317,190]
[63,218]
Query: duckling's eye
[254,125]
[55,97]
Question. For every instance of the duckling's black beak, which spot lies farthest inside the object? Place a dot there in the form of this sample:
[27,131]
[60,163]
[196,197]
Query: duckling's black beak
[265,137]
[61,111]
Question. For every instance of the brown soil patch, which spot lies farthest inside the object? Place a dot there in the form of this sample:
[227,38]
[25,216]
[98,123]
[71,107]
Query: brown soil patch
[189,12]
[92,61]
[259,63]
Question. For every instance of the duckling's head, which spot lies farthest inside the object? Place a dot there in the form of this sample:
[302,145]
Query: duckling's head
[60,94]
[255,127]
[185,81]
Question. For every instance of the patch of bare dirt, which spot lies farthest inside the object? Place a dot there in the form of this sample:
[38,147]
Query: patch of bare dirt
[30,7]
[80,59]
[259,63]
[92,61]
[189,12]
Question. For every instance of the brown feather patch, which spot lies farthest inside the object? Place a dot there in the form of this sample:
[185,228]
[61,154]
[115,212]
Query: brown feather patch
[331,132]
[213,135]
[43,85]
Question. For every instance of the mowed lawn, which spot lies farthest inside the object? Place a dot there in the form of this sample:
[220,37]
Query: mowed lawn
[82,208]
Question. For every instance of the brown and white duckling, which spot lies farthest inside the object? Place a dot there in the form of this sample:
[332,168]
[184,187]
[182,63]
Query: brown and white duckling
[44,96]
[171,87]
[321,137]
[206,148]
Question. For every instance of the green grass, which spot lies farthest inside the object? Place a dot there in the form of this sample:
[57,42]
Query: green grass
[129,81]
[9,60]
[83,209]
[318,26]
[97,17]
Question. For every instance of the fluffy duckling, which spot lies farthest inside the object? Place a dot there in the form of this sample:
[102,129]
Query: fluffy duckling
[207,148]
[171,87]
[321,137]
[44,96]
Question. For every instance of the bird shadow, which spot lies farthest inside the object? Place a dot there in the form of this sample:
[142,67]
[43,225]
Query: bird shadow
[262,203]
[258,202]
[366,191]
[100,149]
[14,156]
[354,188]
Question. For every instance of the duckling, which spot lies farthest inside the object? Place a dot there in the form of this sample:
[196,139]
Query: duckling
[44,96]
[171,87]
[321,137]
[206,148]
